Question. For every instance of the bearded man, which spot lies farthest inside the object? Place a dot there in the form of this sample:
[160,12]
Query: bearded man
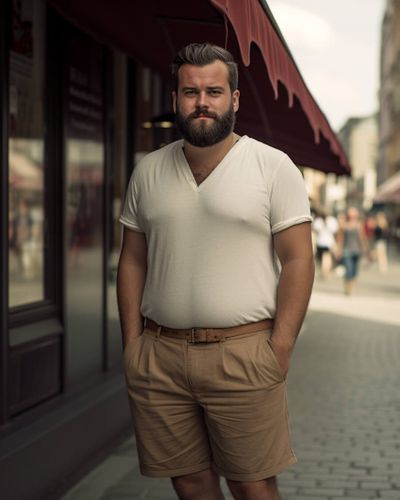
[214,279]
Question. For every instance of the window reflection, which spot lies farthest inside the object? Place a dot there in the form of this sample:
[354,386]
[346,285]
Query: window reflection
[84,200]
[26,154]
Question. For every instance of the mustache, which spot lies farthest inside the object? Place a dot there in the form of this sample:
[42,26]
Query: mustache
[202,112]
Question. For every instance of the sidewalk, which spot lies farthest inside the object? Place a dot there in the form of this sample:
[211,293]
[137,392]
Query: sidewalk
[344,401]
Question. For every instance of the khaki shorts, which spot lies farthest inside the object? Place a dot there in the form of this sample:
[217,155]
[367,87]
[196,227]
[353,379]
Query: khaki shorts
[215,405]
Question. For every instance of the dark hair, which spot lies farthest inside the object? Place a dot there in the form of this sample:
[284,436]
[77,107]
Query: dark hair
[201,54]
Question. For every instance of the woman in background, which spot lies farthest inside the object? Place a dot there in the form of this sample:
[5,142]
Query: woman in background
[351,243]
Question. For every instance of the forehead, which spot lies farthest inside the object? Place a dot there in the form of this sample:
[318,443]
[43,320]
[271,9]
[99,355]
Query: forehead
[210,75]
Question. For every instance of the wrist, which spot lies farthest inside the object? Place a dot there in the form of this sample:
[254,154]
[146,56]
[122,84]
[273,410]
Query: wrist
[128,337]
[282,343]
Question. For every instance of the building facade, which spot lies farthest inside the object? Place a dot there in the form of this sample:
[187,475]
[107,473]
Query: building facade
[359,137]
[389,115]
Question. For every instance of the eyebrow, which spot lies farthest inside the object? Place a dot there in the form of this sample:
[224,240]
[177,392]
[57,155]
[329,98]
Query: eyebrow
[191,87]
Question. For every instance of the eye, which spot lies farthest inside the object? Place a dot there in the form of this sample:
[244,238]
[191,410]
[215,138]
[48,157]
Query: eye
[189,92]
[215,92]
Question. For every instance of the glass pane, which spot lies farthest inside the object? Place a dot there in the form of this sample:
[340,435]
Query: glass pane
[155,119]
[84,163]
[26,153]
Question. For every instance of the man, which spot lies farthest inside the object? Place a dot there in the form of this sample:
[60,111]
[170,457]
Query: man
[206,221]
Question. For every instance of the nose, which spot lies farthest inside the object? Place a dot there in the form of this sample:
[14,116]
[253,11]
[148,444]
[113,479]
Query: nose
[202,100]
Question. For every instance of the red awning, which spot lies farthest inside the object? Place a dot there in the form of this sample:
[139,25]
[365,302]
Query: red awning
[275,105]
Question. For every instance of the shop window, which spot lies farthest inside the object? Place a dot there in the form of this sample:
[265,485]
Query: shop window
[83,117]
[155,119]
[26,154]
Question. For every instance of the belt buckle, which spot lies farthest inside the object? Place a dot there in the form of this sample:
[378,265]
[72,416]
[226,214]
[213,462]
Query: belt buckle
[198,340]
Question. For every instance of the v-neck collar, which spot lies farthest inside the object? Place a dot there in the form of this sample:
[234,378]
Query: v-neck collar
[188,171]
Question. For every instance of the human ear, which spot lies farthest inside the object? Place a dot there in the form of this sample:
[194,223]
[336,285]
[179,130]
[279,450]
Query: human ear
[235,100]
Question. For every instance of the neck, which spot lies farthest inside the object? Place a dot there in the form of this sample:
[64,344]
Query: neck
[211,154]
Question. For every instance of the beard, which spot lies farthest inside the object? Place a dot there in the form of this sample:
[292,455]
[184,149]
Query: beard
[203,134]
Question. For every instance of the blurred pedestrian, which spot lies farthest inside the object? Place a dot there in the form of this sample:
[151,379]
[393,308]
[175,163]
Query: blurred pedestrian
[208,315]
[369,230]
[351,244]
[325,228]
[381,234]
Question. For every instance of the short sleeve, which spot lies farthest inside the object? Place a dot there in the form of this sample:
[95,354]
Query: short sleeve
[289,203]
[129,216]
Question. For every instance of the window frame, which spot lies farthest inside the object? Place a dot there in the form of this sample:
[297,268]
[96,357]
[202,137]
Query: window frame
[50,305]
[5,16]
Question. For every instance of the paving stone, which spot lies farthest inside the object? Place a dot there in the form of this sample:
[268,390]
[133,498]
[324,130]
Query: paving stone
[300,482]
[390,494]
[381,475]
[382,485]
[301,497]
[337,483]
[351,473]
[328,492]
[316,476]
[346,497]
[362,493]
[285,490]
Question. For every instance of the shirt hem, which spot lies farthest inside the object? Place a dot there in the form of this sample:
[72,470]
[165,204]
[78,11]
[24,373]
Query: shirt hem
[129,224]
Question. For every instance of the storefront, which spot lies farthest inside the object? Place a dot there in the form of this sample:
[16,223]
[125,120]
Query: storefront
[80,103]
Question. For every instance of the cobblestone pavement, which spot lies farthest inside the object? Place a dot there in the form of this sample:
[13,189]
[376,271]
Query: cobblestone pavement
[344,402]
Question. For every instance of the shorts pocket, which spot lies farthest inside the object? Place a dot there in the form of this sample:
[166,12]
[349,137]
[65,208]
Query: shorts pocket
[274,359]
[131,350]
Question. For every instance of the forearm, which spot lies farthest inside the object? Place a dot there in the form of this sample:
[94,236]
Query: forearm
[294,290]
[130,284]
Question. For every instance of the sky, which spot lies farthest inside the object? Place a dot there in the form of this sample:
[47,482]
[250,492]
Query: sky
[336,45]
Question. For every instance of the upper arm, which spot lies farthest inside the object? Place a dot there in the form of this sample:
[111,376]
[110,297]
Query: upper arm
[134,247]
[294,243]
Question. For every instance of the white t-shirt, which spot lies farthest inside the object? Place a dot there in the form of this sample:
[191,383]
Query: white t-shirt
[325,230]
[211,261]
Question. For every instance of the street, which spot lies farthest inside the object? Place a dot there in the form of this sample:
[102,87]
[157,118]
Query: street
[344,403]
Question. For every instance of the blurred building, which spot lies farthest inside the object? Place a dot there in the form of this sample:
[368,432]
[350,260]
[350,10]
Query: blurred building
[332,193]
[85,92]
[327,191]
[389,96]
[359,137]
[389,116]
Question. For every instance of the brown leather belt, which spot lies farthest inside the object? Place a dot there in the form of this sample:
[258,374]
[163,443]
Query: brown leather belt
[197,335]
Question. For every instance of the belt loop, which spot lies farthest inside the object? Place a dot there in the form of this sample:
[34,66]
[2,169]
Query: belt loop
[158,332]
